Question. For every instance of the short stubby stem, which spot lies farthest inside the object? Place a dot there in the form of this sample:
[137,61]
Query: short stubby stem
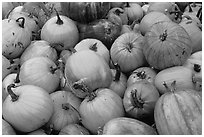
[163,36]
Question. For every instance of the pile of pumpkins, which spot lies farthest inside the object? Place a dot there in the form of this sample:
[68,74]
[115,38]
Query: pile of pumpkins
[102,68]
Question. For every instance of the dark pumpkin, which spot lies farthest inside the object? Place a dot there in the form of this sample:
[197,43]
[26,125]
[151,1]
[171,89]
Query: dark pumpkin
[85,12]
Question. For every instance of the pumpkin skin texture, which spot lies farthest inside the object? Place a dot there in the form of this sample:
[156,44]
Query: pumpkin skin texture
[5,65]
[179,113]
[39,48]
[94,45]
[74,129]
[15,37]
[182,75]
[127,51]
[31,109]
[89,11]
[62,31]
[151,18]
[142,74]
[167,44]
[139,100]
[195,34]
[7,129]
[127,126]
[40,71]
[66,107]
[95,75]
[197,55]
[100,107]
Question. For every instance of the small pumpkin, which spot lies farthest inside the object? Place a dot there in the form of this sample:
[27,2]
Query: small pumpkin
[27,107]
[7,129]
[16,37]
[99,107]
[94,45]
[89,11]
[127,52]
[142,74]
[66,107]
[127,126]
[117,15]
[40,71]
[179,113]
[39,48]
[139,100]
[167,44]
[74,129]
[60,31]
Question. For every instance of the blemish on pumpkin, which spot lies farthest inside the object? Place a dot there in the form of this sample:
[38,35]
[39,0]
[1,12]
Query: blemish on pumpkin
[13,33]
[183,52]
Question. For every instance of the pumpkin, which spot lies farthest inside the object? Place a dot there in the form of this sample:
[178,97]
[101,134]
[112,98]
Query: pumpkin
[145,8]
[195,34]
[74,129]
[37,132]
[79,75]
[66,107]
[126,29]
[134,12]
[16,37]
[167,44]
[151,18]
[65,54]
[39,48]
[119,82]
[197,55]
[89,11]
[127,51]
[142,74]
[179,113]
[182,75]
[40,71]
[100,107]
[60,31]
[7,129]
[102,29]
[27,107]
[139,100]
[5,67]
[118,16]
[94,45]
[127,126]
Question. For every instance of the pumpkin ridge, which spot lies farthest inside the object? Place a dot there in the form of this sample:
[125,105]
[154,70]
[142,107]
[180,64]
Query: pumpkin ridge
[200,110]
[174,42]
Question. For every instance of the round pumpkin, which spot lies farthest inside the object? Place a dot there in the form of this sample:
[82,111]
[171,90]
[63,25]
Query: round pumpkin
[139,100]
[127,126]
[195,34]
[74,129]
[27,107]
[167,44]
[39,48]
[83,78]
[7,129]
[151,18]
[127,52]
[60,31]
[85,12]
[100,107]
[182,75]
[40,71]
[179,113]
[142,74]
[66,107]
[16,37]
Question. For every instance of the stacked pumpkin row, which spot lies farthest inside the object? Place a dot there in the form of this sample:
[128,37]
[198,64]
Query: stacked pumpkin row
[109,68]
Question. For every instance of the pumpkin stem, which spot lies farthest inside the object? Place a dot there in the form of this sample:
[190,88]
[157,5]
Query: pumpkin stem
[22,23]
[173,86]
[73,50]
[91,96]
[59,20]
[53,69]
[127,4]
[163,36]
[118,12]
[138,103]
[93,47]
[81,86]
[100,131]
[14,97]
[118,72]
[17,80]
[129,47]
[197,67]
[141,74]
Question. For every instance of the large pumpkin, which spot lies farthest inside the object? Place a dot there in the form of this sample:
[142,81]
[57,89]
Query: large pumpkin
[167,44]
[86,70]
[179,113]
[127,51]
[27,107]
[85,12]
